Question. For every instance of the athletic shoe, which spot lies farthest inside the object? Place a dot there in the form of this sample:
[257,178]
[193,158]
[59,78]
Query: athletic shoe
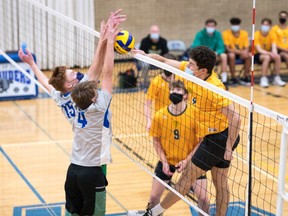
[277,81]
[233,82]
[264,83]
[245,81]
[146,212]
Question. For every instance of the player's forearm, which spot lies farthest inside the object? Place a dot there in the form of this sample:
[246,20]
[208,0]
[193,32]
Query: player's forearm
[42,78]
[148,110]
[159,150]
[234,128]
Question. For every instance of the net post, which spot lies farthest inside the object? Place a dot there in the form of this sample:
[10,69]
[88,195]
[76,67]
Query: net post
[282,195]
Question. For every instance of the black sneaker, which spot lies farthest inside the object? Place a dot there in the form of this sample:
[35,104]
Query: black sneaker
[245,81]
[233,82]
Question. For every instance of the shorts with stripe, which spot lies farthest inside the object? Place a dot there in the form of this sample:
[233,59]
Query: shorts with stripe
[82,184]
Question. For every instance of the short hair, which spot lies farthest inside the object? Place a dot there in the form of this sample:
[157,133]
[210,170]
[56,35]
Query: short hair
[266,20]
[283,12]
[235,21]
[204,57]
[211,21]
[83,94]
[58,78]
[178,84]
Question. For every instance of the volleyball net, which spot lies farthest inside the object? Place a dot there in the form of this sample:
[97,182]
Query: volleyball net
[59,40]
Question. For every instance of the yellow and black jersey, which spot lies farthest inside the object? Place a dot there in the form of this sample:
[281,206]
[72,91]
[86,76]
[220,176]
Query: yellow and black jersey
[158,91]
[281,36]
[176,132]
[265,42]
[208,105]
[233,42]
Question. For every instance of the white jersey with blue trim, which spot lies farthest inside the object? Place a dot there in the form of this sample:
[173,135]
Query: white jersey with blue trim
[93,133]
[65,101]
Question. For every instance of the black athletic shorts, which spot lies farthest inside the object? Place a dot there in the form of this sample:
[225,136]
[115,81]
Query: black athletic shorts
[160,174]
[80,187]
[211,151]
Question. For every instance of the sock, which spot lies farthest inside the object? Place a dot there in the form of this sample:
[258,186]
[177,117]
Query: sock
[157,210]
[224,77]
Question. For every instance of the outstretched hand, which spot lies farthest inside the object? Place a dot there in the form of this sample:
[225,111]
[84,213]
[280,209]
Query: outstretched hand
[137,51]
[27,58]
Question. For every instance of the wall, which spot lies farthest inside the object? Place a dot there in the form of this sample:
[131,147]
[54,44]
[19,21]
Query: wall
[181,19]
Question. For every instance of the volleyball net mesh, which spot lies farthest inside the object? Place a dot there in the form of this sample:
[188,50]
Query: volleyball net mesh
[57,40]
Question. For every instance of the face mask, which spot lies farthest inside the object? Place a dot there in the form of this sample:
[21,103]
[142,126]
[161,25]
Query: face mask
[154,36]
[79,76]
[265,28]
[167,73]
[175,98]
[188,71]
[282,20]
[235,28]
[210,30]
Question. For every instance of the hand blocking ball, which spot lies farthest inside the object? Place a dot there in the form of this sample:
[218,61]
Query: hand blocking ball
[124,42]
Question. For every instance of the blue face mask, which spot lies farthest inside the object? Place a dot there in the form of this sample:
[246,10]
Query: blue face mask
[79,76]
[154,36]
[265,28]
[210,30]
[188,71]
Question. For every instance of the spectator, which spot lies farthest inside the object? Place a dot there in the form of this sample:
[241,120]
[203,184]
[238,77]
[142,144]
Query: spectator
[153,43]
[266,52]
[212,38]
[236,42]
[280,32]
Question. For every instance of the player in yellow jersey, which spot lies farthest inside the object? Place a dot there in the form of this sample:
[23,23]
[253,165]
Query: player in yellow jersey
[266,52]
[236,42]
[174,137]
[218,125]
[158,92]
[281,33]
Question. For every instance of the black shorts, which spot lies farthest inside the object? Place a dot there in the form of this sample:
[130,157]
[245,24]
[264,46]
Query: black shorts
[211,151]
[81,185]
[160,174]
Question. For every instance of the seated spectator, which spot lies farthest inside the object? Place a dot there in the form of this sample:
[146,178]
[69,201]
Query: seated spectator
[152,43]
[281,34]
[212,38]
[266,52]
[236,42]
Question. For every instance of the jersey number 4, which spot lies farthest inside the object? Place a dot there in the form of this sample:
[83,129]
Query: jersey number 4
[81,119]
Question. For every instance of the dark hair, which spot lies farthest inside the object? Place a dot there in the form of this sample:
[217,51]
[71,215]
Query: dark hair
[58,78]
[283,12]
[178,84]
[84,93]
[211,21]
[204,57]
[266,20]
[235,21]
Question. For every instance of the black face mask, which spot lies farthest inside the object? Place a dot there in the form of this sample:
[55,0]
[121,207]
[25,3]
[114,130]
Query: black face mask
[175,98]
[79,76]
[167,73]
[282,20]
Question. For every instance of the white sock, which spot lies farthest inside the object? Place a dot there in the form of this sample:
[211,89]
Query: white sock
[157,210]
[224,77]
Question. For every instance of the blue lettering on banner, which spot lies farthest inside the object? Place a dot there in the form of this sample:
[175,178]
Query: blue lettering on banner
[15,75]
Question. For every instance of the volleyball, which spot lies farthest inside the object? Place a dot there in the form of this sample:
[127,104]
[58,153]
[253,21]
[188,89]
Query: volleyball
[124,42]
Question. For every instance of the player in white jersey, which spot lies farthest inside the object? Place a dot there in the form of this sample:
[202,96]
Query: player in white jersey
[64,80]
[85,182]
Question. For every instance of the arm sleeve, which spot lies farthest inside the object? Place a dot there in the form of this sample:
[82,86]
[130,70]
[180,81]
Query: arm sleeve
[103,100]
[143,45]
[151,93]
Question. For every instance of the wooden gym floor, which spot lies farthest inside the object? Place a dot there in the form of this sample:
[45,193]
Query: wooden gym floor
[36,144]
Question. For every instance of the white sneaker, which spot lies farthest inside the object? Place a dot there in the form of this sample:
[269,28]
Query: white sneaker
[277,81]
[224,77]
[264,83]
[136,212]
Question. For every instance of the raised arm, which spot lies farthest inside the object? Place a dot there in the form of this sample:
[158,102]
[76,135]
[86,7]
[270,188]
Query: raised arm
[42,78]
[95,70]
[108,66]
